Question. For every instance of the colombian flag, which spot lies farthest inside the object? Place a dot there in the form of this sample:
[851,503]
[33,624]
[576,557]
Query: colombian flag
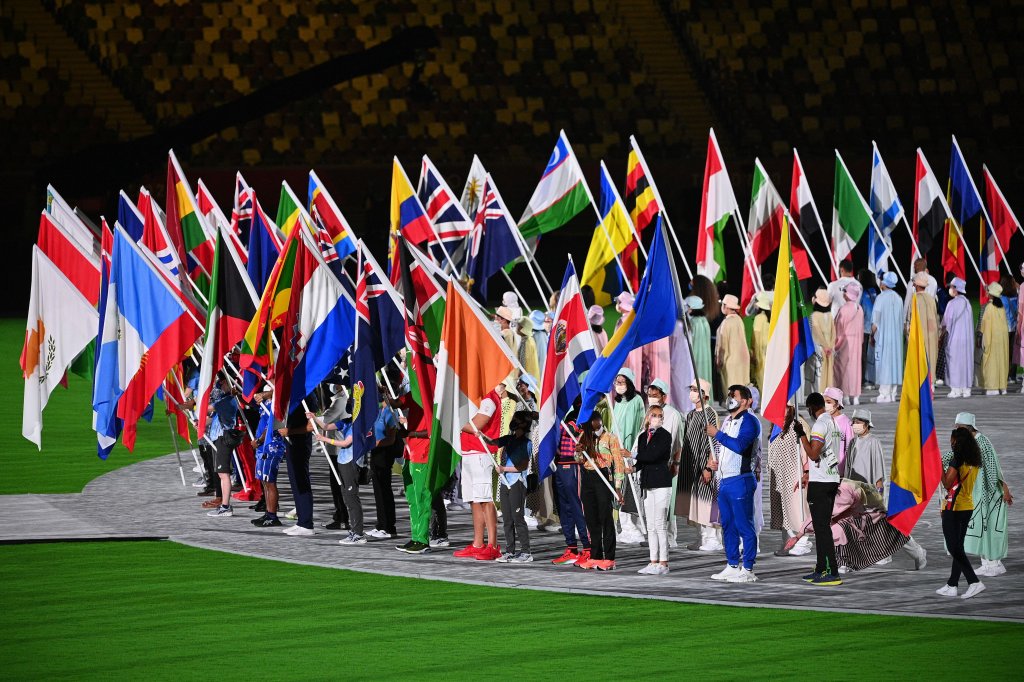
[407,214]
[916,462]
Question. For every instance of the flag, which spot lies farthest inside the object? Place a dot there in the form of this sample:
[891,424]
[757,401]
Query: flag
[493,243]
[327,216]
[215,216]
[653,317]
[241,213]
[408,217]
[965,205]
[379,335]
[803,213]
[265,244]
[600,271]
[61,323]
[190,235]
[319,327]
[930,208]
[718,203]
[148,329]
[886,209]
[471,360]
[82,268]
[790,343]
[641,198]
[130,217]
[851,216]
[916,462]
[107,427]
[472,191]
[232,306]
[291,215]
[155,237]
[1004,222]
[764,227]
[570,352]
[449,218]
[560,195]
[74,227]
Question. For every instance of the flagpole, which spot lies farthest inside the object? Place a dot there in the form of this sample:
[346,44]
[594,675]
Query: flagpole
[807,249]
[748,255]
[177,452]
[984,211]
[661,205]
[967,250]
[524,251]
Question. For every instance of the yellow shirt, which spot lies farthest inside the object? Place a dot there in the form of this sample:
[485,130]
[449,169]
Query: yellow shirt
[962,495]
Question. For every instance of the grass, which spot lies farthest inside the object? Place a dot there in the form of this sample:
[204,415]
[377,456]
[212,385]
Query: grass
[68,460]
[152,610]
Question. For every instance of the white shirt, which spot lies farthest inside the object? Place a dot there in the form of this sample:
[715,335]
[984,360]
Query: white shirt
[826,469]
[835,289]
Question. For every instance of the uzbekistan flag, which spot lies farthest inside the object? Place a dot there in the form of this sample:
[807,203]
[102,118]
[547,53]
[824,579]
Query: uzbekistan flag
[560,195]
[718,203]
[789,337]
[916,462]
[571,352]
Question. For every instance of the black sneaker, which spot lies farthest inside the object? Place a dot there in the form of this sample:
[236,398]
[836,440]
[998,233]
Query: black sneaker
[267,522]
[260,506]
[413,547]
[258,521]
[827,579]
[811,577]
[333,525]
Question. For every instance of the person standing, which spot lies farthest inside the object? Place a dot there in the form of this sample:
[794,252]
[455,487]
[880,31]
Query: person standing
[823,330]
[958,328]
[541,330]
[270,450]
[697,497]
[847,276]
[298,432]
[993,333]
[382,465]
[516,455]
[929,284]
[1018,341]
[887,339]
[503,317]
[849,338]
[869,285]
[221,418]
[731,352]
[477,477]
[865,460]
[740,440]
[528,347]
[568,480]
[987,534]
[928,315]
[595,317]
[605,461]
[635,360]
[834,407]
[700,331]
[759,337]
[627,420]
[958,479]
[672,421]
[787,464]
[653,457]
[822,450]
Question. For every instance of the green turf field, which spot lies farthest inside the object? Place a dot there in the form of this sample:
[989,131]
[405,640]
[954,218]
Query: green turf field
[68,460]
[157,610]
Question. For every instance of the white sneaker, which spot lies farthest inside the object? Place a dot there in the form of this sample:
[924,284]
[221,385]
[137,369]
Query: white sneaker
[727,574]
[712,547]
[996,568]
[883,562]
[649,569]
[293,514]
[973,590]
[531,522]
[843,570]
[296,531]
[505,558]
[662,569]
[379,534]
[744,576]
[221,511]
[991,392]
[856,400]
[918,553]
[440,542]
[802,547]
[522,558]
[940,382]
[948,590]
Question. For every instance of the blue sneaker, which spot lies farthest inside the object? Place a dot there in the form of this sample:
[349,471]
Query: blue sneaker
[810,577]
[827,579]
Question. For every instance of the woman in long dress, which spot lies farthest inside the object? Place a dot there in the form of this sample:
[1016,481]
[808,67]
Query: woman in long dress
[695,499]
[995,337]
[849,339]
[700,330]
[759,337]
[731,352]
[628,412]
[958,328]
[595,316]
[823,330]
[788,509]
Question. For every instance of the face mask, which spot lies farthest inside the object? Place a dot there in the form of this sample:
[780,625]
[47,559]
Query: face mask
[830,408]
[732,404]
[620,389]
[547,325]
[655,422]
[651,400]
[599,430]
[858,428]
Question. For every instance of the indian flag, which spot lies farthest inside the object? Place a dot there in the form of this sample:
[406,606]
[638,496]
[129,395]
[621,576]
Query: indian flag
[560,195]
[789,337]
[717,205]
[851,215]
[471,360]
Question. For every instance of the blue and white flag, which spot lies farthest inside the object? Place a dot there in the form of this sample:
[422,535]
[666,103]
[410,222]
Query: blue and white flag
[886,209]
[493,243]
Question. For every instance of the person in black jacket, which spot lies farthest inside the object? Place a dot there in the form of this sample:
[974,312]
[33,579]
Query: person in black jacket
[654,449]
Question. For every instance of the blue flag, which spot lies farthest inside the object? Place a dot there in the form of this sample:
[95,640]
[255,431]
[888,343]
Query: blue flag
[492,245]
[130,217]
[964,201]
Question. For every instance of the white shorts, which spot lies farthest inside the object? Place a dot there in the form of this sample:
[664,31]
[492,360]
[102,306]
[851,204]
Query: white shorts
[477,477]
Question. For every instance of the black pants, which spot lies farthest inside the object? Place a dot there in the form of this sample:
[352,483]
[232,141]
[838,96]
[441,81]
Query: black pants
[438,517]
[381,464]
[954,530]
[513,516]
[297,457]
[206,454]
[597,510]
[821,497]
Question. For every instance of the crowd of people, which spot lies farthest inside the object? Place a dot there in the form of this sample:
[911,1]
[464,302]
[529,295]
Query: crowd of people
[656,453]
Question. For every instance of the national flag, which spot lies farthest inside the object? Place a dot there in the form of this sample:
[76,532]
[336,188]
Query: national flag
[1004,222]
[449,218]
[930,208]
[560,195]
[718,204]
[265,244]
[155,237]
[82,268]
[61,323]
[493,242]
[148,329]
[851,215]
[965,205]
[327,216]
[173,398]
[87,239]
[641,196]
[241,213]
[653,317]
[803,214]
[291,214]
[319,327]
[612,236]
[408,217]
[764,227]
[790,343]
[379,335]
[214,216]
[471,360]
[130,217]
[190,235]
[916,462]
[886,209]
[472,191]
[108,428]
[570,352]
[232,306]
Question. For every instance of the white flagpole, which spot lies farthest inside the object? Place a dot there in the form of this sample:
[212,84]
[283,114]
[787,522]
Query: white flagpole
[661,205]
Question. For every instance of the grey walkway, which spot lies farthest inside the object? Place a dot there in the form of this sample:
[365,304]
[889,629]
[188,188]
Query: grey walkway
[164,508]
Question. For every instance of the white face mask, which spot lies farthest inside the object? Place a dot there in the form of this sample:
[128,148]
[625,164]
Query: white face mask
[859,429]
[732,404]
[653,401]
[620,389]
[655,422]
[599,430]
[695,397]
[830,408]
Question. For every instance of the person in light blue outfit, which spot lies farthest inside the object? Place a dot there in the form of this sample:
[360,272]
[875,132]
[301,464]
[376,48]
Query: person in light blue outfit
[541,325]
[869,283]
[887,338]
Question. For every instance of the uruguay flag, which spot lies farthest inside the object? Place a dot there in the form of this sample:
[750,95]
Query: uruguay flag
[570,353]
[146,330]
[319,327]
[886,209]
[653,317]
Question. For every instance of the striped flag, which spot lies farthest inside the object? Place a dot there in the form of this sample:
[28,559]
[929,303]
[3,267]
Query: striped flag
[804,214]
[764,226]
[851,215]
[444,210]
[718,204]
[965,205]
[613,235]
[560,195]
[930,208]
[190,235]
[887,210]
[1004,222]
[408,217]
[472,191]
[327,216]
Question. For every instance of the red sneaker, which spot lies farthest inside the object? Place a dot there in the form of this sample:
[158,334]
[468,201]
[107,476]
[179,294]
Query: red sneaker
[583,558]
[489,553]
[468,552]
[605,565]
[568,557]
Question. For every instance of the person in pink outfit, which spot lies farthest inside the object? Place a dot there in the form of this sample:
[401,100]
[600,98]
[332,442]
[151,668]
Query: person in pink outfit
[595,316]
[635,359]
[849,343]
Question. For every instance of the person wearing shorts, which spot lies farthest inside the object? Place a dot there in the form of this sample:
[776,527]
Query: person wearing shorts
[478,477]
[270,449]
